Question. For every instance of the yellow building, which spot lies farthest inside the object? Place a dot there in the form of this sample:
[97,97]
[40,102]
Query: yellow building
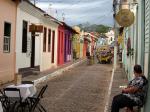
[77,45]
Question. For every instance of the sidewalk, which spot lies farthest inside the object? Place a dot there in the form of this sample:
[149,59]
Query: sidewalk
[43,76]
[119,79]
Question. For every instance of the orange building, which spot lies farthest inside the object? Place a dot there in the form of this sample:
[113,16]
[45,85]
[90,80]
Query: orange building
[8,10]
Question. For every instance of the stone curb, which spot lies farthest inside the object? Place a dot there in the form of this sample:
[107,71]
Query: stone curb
[109,92]
[58,72]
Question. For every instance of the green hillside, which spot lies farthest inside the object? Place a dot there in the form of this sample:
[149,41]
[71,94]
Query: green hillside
[94,28]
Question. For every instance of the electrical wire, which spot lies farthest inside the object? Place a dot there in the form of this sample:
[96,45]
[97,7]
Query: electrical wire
[73,4]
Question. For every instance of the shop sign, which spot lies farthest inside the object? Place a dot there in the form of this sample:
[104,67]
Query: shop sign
[36,28]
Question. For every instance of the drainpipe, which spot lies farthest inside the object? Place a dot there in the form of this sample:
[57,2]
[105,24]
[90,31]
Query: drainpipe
[15,72]
[115,47]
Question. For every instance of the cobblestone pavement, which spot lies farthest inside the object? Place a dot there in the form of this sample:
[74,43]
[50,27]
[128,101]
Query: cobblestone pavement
[81,89]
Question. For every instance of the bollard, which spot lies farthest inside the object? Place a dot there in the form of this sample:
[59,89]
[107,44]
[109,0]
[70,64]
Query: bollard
[91,60]
[17,79]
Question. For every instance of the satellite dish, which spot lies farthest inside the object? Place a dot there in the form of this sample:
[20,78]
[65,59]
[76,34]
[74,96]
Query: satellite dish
[125,17]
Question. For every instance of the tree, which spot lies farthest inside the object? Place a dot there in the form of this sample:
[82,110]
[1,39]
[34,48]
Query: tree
[102,29]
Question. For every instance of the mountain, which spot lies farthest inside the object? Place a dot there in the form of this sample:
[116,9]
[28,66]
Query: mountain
[94,28]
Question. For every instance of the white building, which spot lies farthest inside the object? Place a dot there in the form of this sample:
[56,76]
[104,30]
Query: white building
[49,53]
[35,49]
[110,36]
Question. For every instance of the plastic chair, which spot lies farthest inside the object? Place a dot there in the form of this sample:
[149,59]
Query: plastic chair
[3,100]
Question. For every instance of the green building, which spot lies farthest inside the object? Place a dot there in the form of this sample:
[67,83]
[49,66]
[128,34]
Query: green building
[136,48]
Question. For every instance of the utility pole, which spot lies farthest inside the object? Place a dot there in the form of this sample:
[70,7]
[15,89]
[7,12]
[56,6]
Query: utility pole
[115,46]
[50,9]
[63,16]
[115,33]
[34,2]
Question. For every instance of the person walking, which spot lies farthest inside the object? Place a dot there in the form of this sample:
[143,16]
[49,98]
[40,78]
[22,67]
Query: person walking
[88,57]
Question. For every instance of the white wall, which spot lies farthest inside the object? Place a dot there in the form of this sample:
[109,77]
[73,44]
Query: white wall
[32,15]
[110,36]
[46,57]
[23,59]
[132,33]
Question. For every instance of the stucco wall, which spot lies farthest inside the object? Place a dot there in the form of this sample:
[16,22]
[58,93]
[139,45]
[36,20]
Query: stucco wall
[23,59]
[7,60]
[46,57]
[33,15]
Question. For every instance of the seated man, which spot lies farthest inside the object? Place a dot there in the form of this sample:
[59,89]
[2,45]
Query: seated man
[133,95]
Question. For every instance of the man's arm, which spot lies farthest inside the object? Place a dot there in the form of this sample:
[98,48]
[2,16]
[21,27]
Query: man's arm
[132,89]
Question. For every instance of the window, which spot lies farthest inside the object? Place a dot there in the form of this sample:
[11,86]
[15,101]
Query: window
[24,36]
[44,40]
[111,38]
[49,40]
[7,34]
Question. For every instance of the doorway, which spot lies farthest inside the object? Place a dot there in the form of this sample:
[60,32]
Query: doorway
[53,45]
[32,49]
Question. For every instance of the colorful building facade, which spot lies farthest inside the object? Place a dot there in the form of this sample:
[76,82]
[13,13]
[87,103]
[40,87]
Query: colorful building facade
[33,41]
[67,45]
[8,12]
[60,48]
[65,34]
[77,43]
[36,43]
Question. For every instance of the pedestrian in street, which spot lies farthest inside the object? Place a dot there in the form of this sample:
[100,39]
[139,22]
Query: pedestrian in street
[74,54]
[133,95]
[88,57]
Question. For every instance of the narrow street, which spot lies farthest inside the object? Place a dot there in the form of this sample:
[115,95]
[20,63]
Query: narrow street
[82,89]
[48,42]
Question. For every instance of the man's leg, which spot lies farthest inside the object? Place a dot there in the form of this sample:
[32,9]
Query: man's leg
[115,107]
[129,109]
[121,101]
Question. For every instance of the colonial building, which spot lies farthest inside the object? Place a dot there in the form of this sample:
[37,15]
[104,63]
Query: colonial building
[8,11]
[110,35]
[76,43]
[36,39]
[69,32]
[60,48]
[65,34]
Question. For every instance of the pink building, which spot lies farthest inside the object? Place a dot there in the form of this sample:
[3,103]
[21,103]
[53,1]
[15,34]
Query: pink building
[8,10]
[60,50]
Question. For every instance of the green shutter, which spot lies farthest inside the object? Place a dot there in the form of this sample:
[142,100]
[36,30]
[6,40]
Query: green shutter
[147,25]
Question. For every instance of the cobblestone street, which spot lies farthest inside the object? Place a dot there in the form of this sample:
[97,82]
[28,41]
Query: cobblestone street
[82,89]
[74,55]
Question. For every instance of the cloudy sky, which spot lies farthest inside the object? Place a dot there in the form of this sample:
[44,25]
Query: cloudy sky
[79,11]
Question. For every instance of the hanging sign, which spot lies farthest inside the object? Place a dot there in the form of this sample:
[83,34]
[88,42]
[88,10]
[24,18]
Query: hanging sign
[32,28]
[36,28]
[125,17]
